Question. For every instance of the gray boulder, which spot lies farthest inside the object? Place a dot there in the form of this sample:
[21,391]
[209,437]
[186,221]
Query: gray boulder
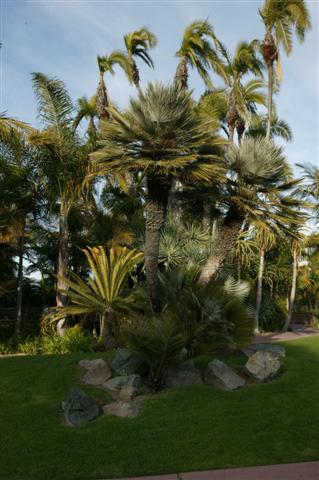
[276,350]
[114,385]
[263,366]
[121,409]
[219,373]
[184,374]
[80,408]
[97,371]
[126,362]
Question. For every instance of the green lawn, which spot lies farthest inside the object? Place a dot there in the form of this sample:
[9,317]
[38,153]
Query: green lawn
[194,428]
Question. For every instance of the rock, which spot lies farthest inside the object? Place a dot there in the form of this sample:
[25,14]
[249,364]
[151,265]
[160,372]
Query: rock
[127,393]
[218,372]
[98,371]
[121,409]
[126,362]
[80,408]
[263,366]
[114,385]
[276,350]
[184,374]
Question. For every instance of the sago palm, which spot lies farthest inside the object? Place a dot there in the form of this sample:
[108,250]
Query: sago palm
[281,18]
[138,44]
[198,50]
[103,292]
[163,136]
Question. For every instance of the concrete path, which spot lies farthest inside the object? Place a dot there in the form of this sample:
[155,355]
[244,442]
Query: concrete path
[298,332]
[290,471]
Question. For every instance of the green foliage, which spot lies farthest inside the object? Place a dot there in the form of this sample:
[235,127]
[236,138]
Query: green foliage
[8,347]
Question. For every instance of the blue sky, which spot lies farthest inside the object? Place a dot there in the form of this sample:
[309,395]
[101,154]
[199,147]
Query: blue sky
[62,38]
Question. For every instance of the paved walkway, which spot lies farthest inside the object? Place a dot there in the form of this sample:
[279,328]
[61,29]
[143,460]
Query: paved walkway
[290,471]
[298,332]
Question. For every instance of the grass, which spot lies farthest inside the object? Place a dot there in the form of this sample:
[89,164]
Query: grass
[194,428]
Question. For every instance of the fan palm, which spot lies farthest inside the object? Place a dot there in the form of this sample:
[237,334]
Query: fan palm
[198,50]
[138,44]
[281,18]
[163,136]
[254,192]
[63,162]
[279,128]
[103,292]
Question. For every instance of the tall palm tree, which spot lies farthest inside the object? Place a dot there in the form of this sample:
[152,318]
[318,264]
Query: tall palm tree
[281,19]
[254,192]
[63,166]
[106,64]
[258,127]
[265,239]
[242,99]
[138,44]
[163,136]
[198,50]
[86,109]
[10,125]
[295,252]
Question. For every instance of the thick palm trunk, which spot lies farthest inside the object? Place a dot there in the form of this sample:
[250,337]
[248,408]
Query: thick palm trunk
[259,289]
[20,286]
[106,332]
[207,217]
[156,207]
[181,75]
[292,291]
[63,262]
[225,242]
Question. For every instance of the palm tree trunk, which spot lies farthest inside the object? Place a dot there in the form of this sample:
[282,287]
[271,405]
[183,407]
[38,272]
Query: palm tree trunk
[206,220]
[181,75]
[270,98]
[20,285]
[63,262]
[226,241]
[106,332]
[102,101]
[259,289]
[156,207]
[292,291]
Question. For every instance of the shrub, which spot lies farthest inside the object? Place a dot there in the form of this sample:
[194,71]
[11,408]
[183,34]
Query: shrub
[30,346]
[8,347]
[74,340]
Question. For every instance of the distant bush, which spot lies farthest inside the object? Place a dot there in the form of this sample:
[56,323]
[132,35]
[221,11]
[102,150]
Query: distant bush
[8,347]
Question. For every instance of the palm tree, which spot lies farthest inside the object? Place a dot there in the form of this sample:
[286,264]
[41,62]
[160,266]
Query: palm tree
[64,163]
[102,293]
[242,99]
[11,125]
[279,128]
[254,192]
[265,239]
[281,18]
[198,50]
[295,251]
[163,136]
[106,64]
[137,44]
[86,109]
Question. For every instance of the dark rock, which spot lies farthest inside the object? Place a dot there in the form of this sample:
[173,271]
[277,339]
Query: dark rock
[219,373]
[276,350]
[80,408]
[126,362]
[98,371]
[184,374]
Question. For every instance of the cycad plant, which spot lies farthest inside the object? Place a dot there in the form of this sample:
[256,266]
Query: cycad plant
[198,50]
[281,18]
[103,291]
[163,136]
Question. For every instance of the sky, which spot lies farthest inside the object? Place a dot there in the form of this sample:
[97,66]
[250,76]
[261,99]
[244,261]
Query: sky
[62,38]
